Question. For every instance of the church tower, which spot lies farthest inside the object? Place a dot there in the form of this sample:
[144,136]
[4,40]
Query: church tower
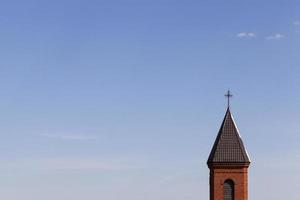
[228,162]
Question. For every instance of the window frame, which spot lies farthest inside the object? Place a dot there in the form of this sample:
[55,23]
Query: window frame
[230,183]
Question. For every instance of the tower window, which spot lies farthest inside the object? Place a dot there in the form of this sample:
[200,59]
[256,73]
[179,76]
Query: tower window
[228,190]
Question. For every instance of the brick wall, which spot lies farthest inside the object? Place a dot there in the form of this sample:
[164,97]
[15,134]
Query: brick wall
[238,174]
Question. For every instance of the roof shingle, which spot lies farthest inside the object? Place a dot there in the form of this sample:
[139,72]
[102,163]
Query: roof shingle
[228,147]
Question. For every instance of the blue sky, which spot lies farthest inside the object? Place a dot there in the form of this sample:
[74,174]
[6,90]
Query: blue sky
[123,99]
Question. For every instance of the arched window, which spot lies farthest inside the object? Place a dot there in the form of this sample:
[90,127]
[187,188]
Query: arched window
[228,190]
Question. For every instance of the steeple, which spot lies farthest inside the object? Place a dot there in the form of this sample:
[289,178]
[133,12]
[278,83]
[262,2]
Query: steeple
[228,162]
[228,147]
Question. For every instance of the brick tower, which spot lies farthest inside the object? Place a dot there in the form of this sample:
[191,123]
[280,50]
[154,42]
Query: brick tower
[228,163]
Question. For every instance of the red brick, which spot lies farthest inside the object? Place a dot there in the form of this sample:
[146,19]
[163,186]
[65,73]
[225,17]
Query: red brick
[238,174]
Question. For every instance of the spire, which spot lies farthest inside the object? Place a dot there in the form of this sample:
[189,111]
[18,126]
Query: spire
[228,147]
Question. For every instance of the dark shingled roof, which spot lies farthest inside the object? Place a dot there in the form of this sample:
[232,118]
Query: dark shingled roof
[228,147]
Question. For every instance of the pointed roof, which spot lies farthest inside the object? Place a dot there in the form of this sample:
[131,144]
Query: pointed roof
[228,147]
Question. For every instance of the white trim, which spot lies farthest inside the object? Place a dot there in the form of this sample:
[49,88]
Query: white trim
[237,129]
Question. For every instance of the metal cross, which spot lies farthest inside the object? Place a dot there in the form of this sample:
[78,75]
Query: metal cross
[228,95]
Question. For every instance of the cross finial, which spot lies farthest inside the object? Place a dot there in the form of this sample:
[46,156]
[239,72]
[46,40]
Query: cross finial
[228,95]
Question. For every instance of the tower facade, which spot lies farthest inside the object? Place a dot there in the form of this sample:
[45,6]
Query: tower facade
[228,163]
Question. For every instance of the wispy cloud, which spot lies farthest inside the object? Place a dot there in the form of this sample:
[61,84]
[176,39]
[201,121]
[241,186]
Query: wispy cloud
[296,23]
[68,136]
[276,36]
[66,165]
[246,35]
[81,165]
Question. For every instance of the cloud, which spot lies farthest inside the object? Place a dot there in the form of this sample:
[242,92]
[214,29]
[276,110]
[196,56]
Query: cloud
[68,136]
[276,36]
[246,35]
[296,23]
[81,165]
[65,165]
